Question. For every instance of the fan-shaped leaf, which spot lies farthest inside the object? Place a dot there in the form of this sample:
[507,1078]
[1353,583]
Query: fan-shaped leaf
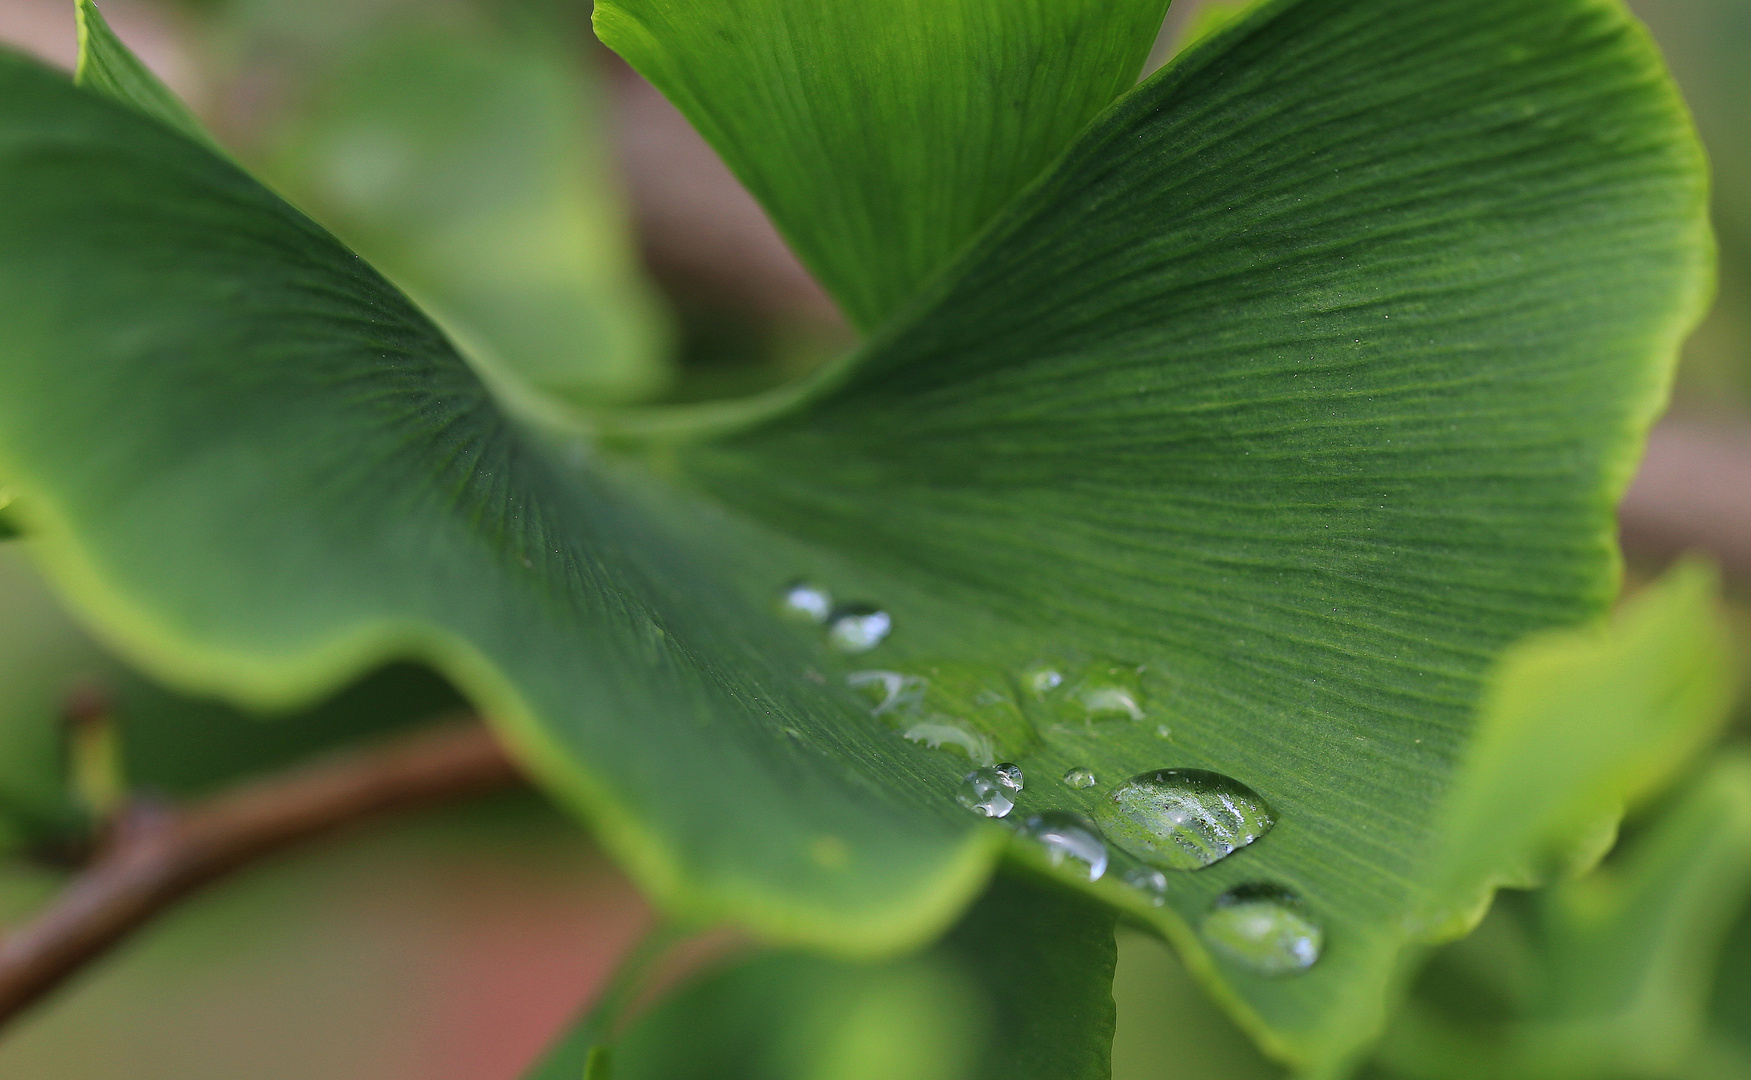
[1296,392]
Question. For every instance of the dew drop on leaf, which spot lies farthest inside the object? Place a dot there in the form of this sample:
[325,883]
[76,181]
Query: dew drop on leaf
[1265,928]
[1184,819]
[1109,691]
[858,628]
[1070,840]
[1080,777]
[889,691]
[1041,679]
[805,602]
[990,791]
[1149,881]
[940,732]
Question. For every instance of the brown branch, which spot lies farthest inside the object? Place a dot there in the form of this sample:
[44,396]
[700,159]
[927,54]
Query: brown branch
[157,854]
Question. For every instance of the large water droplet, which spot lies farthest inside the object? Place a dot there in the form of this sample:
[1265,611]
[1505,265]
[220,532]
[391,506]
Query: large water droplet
[806,602]
[858,628]
[1080,777]
[1070,840]
[939,732]
[1265,928]
[1149,881]
[990,791]
[1184,819]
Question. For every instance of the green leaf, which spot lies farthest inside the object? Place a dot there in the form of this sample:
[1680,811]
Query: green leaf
[1577,725]
[469,162]
[882,137]
[1020,989]
[107,67]
[1608,975]
[44,659]
[1298,391]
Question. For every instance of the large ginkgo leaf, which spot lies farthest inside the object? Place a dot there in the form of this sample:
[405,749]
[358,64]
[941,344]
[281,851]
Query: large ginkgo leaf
[1232,454]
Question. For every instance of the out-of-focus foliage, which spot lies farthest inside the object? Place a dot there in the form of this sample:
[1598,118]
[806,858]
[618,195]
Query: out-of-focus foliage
[463,150]
[1018,990]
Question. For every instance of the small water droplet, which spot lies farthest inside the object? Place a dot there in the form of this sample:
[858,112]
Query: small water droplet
[939,732]
[1162,731]
[805,602]
[1080,777]
[858,628]
[1184,819]
[1041,679]
[1070,840]
[1150,882]
[1109,691]
[889,691]
[990,791]
[1264,927]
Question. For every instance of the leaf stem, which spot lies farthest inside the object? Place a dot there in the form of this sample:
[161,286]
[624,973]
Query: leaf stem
[156,854]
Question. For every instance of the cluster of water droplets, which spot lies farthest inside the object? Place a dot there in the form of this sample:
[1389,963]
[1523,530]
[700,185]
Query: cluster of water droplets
[1165,820]
[850,628]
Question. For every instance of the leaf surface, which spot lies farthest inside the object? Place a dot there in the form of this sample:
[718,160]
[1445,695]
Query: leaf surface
[1020,989]
[1297,391]
[881,137]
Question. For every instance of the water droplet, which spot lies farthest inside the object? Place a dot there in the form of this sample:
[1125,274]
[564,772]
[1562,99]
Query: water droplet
[1184,819]
[990,790]
[1150,882]
[858,628]
[1080,777]
[1109,691]
[889,691]
[939,732]
[1041,679]
[805,602]
[1265,928]
[1070,840]
[1096,691]
[1162,731]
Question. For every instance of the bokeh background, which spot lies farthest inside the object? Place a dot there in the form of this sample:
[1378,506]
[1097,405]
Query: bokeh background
[453,944]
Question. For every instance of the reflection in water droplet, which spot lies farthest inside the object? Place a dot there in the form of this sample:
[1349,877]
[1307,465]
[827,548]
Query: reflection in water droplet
[990,791]
[1080,777]
[1041,678]
[889,691]
[1070,840]
[1265,928]
[939,732]
[1184,819]
[858,628]
[806,602]
[1150,882]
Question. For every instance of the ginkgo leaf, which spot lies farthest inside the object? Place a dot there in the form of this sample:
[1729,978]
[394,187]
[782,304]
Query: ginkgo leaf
[881,137]
[1230,459]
